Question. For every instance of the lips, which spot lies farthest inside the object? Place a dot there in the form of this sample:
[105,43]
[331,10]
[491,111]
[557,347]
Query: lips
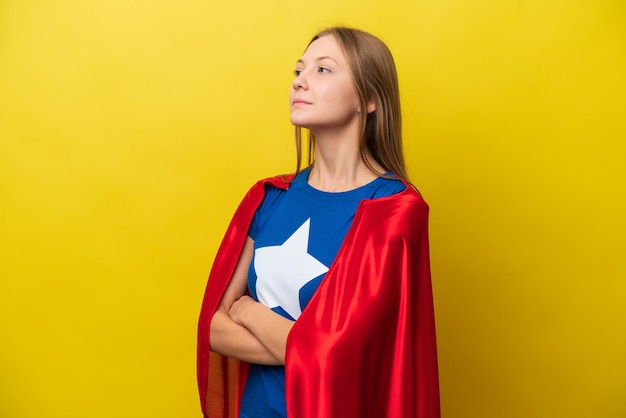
[300,102]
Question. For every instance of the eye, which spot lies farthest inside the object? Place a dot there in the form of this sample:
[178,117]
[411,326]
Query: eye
[297,72]
[323,70]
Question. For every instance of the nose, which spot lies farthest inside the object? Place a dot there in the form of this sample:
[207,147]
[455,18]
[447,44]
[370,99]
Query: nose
[300,83]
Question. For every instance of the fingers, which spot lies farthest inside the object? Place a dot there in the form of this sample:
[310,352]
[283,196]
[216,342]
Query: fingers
[238,309]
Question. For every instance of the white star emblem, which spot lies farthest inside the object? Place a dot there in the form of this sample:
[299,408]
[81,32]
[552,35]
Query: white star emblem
[282,270]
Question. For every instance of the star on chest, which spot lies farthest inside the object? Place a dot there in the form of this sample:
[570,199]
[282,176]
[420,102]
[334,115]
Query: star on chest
[282,270]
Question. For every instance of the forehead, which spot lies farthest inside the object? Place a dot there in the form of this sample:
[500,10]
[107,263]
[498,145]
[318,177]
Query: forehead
[325,46]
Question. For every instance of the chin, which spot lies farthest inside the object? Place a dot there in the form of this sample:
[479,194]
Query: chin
[299,123]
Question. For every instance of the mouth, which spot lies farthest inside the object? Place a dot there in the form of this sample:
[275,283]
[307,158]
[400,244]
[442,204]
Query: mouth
[300,102]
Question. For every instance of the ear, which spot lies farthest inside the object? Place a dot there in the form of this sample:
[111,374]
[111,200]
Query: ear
[371,106]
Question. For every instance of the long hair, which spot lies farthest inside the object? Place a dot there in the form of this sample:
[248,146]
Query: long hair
[375,80]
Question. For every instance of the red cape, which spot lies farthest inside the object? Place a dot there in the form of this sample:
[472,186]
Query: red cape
[365,343]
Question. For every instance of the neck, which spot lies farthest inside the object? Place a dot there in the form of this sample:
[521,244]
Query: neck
[339,165]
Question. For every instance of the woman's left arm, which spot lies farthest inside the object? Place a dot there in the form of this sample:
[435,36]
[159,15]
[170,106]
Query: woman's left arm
[270,328]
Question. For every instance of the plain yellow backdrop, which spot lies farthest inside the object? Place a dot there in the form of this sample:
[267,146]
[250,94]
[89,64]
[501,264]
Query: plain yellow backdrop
[130,130]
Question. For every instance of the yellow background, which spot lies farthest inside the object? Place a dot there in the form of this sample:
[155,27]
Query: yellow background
[129,130]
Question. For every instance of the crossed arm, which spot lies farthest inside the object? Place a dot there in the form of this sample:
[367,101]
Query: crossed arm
[245,329]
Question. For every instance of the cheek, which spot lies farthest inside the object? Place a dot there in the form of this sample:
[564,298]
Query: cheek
[347,95]
[349,100]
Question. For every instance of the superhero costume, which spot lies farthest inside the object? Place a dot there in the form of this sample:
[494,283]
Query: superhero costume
[365,344]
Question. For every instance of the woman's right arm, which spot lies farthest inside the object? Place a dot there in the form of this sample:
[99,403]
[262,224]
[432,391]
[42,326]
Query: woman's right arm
[229,338]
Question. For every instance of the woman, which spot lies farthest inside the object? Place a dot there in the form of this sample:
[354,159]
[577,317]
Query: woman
[319,302]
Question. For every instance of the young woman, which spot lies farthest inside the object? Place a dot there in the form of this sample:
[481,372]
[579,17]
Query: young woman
[319,301]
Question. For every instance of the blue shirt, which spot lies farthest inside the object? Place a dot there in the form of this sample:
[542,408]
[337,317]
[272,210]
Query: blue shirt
[297,233]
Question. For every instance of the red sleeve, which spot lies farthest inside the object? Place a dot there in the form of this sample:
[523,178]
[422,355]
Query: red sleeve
[365,343]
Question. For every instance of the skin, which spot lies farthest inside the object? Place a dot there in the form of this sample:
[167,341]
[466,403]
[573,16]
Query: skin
[323,100]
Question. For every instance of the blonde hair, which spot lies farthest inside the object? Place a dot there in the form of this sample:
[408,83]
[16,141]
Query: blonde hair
[375,80]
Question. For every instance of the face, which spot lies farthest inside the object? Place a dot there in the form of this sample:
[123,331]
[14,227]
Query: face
[322,95]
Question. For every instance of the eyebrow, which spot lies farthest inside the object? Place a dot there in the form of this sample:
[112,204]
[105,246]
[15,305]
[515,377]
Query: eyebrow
[325,57]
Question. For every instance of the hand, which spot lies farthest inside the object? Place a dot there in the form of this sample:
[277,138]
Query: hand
[241,308]
[270,328]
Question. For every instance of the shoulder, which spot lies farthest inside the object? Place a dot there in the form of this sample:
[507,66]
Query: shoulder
[402,214]
[277,182]
[405,202]
[255,195]
[281,181]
